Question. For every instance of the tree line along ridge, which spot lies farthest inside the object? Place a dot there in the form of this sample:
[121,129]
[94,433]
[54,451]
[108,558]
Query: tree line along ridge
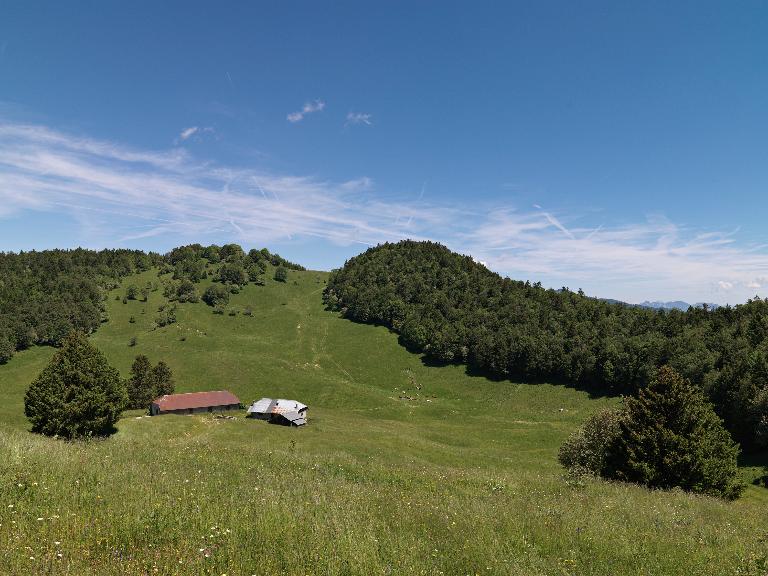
[454,309]
[46,295]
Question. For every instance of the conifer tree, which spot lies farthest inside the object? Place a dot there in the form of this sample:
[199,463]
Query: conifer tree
[77,395]
[162,379]
[140,384]
[670,436]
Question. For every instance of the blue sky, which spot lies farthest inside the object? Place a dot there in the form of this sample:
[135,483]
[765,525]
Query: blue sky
[621,148]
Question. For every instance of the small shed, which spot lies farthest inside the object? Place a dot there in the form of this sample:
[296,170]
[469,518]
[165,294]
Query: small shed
[194,402]
[279,411]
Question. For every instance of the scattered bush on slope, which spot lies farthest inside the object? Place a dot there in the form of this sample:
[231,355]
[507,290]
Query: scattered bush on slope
[46,295]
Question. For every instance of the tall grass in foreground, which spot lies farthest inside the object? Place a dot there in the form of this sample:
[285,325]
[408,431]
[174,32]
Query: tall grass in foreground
[193,505]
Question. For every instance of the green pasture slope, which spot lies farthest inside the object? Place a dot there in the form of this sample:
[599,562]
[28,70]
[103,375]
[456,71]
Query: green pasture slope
[403,468]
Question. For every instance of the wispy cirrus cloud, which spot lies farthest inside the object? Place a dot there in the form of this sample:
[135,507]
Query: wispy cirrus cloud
[170,193]
[308,108]
[120,194]
[193,132]
[188,132]
[356,118]
[637,261]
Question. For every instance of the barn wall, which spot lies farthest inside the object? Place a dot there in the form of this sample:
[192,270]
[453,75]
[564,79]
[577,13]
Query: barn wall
[203,409]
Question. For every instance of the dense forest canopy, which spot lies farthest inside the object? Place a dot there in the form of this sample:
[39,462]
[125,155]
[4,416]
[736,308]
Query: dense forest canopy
[46,295]
[456,310]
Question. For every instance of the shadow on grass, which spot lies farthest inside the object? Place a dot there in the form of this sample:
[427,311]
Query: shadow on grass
[592,389]
[759,461]
[477,372]
[93,436]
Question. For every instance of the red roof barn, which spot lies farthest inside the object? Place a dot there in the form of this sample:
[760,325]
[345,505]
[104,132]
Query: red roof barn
[193,402]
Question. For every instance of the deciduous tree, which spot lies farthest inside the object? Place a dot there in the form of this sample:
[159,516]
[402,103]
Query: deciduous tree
[281,274]
[216,295]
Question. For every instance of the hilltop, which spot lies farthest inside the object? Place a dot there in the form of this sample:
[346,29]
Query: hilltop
[405,467]
[454,309]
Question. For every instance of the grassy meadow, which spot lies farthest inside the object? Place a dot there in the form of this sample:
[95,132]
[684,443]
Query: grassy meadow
[403,468]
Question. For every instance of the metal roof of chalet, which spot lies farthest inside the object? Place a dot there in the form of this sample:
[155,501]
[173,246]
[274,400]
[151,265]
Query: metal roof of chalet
[279,406]
[263,406]
[294,417]
[196,400]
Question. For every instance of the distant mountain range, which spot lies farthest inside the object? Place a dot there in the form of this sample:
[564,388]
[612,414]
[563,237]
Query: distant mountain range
[673,305]
[676,305]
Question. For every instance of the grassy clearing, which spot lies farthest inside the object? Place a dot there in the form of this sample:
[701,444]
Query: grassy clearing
[459,479]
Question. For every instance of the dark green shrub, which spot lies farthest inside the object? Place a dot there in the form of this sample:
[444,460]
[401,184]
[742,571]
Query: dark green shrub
[587,449]
[256,272]
[78,394]
[281,274]
[233,274]
[211,253]
[166,316]
[139,385]
[231,253]
[671,437]
[132,292]
[147,382]
[761,411]
[186,292]
[162,378]
[668,436]
[216,295]
[7,350]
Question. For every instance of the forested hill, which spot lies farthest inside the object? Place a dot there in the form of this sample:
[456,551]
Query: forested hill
[456,310]
[45,295]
